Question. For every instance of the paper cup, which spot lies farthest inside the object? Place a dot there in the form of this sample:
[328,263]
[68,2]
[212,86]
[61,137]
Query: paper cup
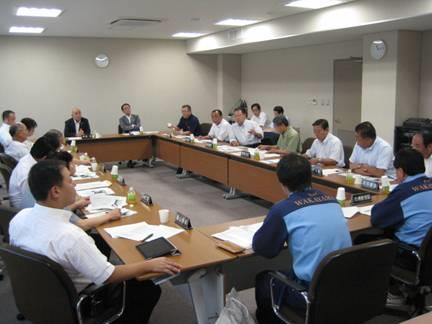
[163,216]
[94,166]
[340,196]
[357,179]
[114,170]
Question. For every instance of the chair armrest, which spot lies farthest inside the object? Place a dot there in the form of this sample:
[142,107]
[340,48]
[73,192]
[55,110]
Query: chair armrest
[409,248]
[93,290]
[287,281]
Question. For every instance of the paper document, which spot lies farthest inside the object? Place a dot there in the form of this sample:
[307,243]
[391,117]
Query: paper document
[91,192]
[351,211]
[366,210]
[272,161]
[230,149]
[327,172]
[102,202]
[140,231]
[83,172]
[271,155]
[92,185]
[124,213]
[239,235]
[73,138]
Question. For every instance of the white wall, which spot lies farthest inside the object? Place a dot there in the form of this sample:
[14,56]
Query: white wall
[44,78]
[425,109]
[292,78]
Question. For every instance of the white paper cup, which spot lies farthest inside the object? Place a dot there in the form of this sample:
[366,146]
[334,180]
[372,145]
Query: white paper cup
[385,181]
[163,216]
[114,170]
[340,196]
[214,141]
[357,179]
[94,166]
[169,125]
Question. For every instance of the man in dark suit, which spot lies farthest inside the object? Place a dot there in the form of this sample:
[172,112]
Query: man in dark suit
[128,122]
[77,126]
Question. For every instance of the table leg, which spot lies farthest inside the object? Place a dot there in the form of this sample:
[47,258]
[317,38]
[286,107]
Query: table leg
[233,194]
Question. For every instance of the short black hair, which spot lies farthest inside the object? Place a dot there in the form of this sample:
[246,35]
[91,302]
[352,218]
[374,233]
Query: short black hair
[323,123]
[54,137]
[256,105]
[188,107]
[294,172]
[366,130]
[125,104]
[278,109]
[280,120]
[410,161]
[61,156]
[43,176]
[217,111]
[242,109]
[42,148]
[30,123]
[6,114]
[426,135]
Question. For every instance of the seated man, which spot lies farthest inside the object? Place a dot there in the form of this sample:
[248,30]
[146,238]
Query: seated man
[422,142]
[129,122]
[245,132]
[326,149]
[17,148]
[77,126]
[407,212]
[309,221]
[189,123]
[40,150]
[278,111]
[45,229]
[31,125]
[372,156]
[220,128]
[8,120]
[258,116]
[289,138]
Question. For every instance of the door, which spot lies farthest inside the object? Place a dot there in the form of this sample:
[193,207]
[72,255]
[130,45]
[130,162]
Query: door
[347,98]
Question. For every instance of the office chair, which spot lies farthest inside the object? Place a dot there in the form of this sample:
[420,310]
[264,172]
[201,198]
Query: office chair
[2,149]
[8,160]
[348,286]
[205,128]
[347,154]
[6,173]
[44,293]
[120,130]
[6,215]
[416,284]
[307,144]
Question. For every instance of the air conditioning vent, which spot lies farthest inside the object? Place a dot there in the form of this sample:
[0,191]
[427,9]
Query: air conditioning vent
[134,22]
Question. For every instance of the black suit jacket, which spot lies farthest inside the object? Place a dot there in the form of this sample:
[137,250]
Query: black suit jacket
[69,129]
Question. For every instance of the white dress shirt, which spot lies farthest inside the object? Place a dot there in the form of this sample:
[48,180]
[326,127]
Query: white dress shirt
[330,148]
[261,119]
[18,180]
[17,150]
[48,231]
[378,155]
[5,137]
[221,131]
[29,143]
[428,166]
[241,133]
[77,127]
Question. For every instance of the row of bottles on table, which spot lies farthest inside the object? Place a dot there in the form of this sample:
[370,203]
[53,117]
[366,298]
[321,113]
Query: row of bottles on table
[352,179]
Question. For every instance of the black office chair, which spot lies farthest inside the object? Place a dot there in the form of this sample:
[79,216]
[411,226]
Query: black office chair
[8,160]
[2,149]
[349,286]
[6,215]
[307,144]
[6,173]
[205,128]
[347,154]
[416,283]
[120,130]
[44,293]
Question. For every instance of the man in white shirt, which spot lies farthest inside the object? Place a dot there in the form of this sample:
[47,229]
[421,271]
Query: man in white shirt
[17,148]
[31,125]
[372,156]
[9,119]
[45,229]
[278,111]
[40,150]
[422,142]
[326,149]
[220,128]
[245,132]
[258,116]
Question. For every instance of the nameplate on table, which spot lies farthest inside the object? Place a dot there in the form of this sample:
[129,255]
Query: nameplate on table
[146,199]
[183,221]
[245,154]
[370,185]
[317,170]
[361,198]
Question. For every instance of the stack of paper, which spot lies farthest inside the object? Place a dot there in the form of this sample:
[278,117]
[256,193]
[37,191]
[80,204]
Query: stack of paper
[272,161]
[351,211]
[140,231]
[271,155]
[92,185]
[83,172]
[125,212]
[91,192]
[327,172]
[230,149]
[73,138]
[101,202]
[239,235]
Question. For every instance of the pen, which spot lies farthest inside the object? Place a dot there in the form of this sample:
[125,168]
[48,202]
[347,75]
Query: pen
[147,237]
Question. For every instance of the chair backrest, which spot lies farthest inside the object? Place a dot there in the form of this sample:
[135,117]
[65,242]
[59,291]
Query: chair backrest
[1,148]
[43,291]
[205,128]
[307,144]
[8,160]
[426,256]
[6,215]
[347,154]
[6,173]
[120,130]
[350,285]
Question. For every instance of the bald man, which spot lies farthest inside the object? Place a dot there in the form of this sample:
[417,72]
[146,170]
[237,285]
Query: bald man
[77,126]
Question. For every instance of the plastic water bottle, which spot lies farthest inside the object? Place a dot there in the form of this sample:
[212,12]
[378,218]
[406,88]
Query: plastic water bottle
[349,178]
[131,196]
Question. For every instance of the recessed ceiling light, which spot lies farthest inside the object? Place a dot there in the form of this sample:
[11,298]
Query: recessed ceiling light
[187,35]
[236,22]
[38,12]
[313,4]
[26,30]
